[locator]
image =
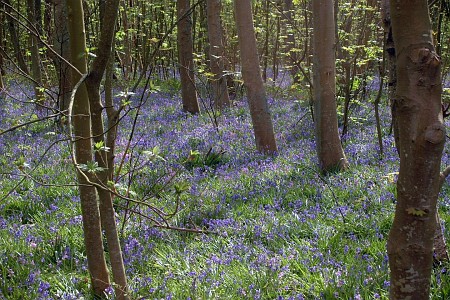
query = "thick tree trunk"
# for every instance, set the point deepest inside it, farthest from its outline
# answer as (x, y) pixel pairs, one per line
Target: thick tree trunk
(83, 153)
(329, 149)
(186, 58)
(251, 74)
(216, 54)
(421, 137)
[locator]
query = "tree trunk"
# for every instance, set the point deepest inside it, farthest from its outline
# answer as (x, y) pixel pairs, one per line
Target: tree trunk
(251, 74)
(216, 54)
(106, 204)
(15, 39)
(421, 137)
(186, 58)
(34, 50)
(289, 41)
(329, 149)
(61, 44)
(83, 153)
(391, 63)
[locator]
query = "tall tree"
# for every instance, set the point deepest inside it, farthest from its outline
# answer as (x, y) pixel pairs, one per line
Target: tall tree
(421, 137)
(289, 41)
(83, 152)
(61, 45)
(216, 53)
(109, 11)
(186, 57)
(329, 149)
(34, 49)
(251, 74)
(14, 37)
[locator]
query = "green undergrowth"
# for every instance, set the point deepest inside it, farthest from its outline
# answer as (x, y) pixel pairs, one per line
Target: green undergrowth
(275, 228)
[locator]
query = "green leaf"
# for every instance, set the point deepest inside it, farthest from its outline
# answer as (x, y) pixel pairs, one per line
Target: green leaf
(153, 154)
(91, 167)
(100, 146)
(181, 187)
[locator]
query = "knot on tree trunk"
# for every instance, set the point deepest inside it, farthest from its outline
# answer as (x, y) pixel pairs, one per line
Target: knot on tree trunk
(435, 133)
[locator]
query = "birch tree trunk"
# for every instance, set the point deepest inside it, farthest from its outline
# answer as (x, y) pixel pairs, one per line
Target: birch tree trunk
(251, 74)
(421, 137)
(329, 149)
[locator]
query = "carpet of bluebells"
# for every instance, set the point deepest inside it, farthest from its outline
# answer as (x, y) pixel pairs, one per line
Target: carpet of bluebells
(274, 228)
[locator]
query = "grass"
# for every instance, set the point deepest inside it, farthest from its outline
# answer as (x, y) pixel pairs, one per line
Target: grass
(281, 231)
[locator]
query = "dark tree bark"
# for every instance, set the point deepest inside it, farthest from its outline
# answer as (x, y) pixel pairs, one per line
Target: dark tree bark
(186, 58)
(329, 149)
(251, 74)
(421, 137)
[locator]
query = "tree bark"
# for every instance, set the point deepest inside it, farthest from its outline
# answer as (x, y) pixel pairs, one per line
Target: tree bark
(15, 39)
(421, 137)
(61, 44)
(329, 149)
(34, 50)
(216, 54)
(186, 58)
(251, 74)
(289, 40)
(83, 152)
(111, 8)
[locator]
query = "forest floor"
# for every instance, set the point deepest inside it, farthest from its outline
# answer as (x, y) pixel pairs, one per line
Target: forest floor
(274, 228)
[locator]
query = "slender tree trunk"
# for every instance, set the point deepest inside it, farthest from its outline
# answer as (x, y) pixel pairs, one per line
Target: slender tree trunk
(292, 59)
(15, 39)
(391, 63)
(34, 50)
(251, 74)
(111, 8)
(216, 54)
(329, 149)
(61, 44)
(126, 42)
(421, 137)
(83, 153)
(186, 58)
